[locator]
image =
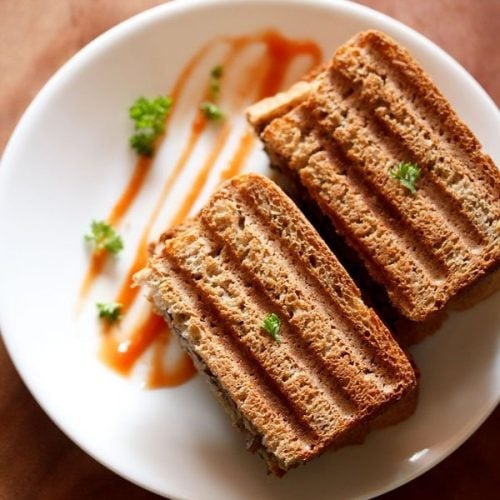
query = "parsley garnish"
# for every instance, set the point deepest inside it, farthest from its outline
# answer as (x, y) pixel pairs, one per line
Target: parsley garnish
(271, 325)
(215, 78)
(103, 237)
(211, 111)
(149, 122)
(110, 311)
(407, 174)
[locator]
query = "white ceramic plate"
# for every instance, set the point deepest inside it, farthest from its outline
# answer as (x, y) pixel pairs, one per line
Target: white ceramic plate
(68, 160)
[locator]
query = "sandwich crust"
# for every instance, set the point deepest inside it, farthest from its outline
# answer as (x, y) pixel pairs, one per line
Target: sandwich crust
(336, 372)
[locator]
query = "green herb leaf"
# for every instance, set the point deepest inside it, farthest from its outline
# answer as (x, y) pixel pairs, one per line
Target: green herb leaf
(215, 77)
(217, 72)
(149, 122)
(103, 237)
(110, 311)
(211, 111)
(271, 325)
(407, 174)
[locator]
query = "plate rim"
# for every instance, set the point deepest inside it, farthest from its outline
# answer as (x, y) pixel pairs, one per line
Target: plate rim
(113, 35)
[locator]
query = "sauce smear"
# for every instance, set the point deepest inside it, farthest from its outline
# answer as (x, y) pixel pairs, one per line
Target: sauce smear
(201, 178)
(280, 54)
(162, 374)
(122, 355)
(245, 146)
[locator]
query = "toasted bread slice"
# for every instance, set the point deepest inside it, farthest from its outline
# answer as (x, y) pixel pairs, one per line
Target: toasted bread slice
(370, 109)
(334, 372)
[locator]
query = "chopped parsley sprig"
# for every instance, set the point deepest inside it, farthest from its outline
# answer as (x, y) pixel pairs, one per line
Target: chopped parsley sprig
(407, 174)
(102, 236)
(149, 122)
(110, 311)
(271, 325)
(209, 109)
(215, 78)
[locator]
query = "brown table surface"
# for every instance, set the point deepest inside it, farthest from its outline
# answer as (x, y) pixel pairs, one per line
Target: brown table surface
(37, 461)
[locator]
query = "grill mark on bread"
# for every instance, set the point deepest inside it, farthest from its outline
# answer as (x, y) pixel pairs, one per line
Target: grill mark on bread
(367, 228)
(402, 117)
(351, 205)
(253, 392)
(378, 193)
(459, 182)
(368, 147)
(432, 106)
(343, 353)
(242, 311)
(424, 215)
(237, 346)
(348, 309)
(340, 386)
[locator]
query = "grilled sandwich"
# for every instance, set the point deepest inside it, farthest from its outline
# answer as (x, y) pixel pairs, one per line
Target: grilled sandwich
(277, 326)
(340, 137)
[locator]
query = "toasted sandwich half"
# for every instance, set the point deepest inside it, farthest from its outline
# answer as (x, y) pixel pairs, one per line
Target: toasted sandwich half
(347, 136)
(277, 326)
